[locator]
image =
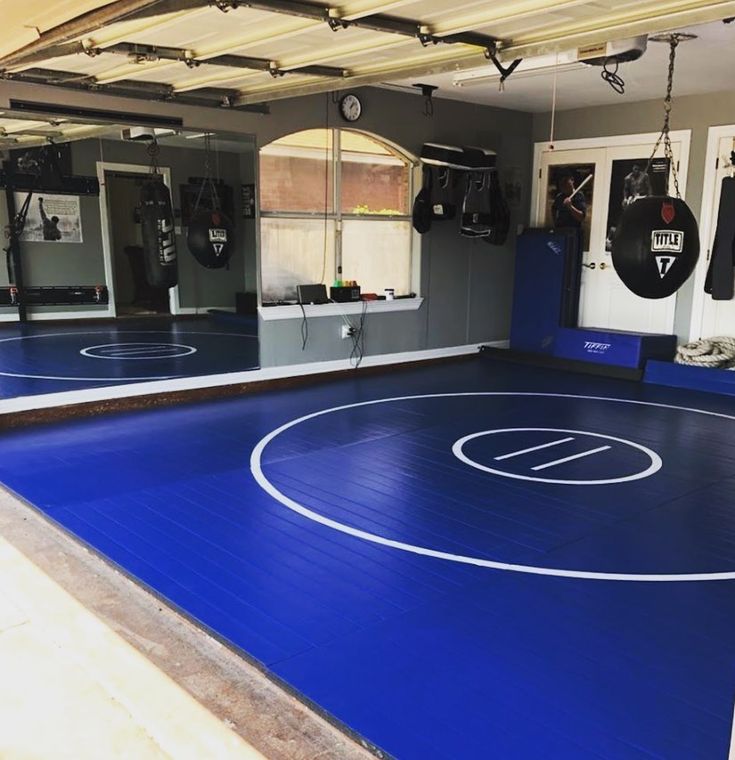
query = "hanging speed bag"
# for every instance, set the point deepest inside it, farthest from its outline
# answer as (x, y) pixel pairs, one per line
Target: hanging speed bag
(656, 246)
(210, 238)
(157, 230)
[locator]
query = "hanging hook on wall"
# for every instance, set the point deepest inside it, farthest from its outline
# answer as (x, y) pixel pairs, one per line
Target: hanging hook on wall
(427, 90)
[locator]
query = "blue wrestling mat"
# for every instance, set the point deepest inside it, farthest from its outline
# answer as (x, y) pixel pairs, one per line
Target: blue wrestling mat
(474, 560)
(39, 359)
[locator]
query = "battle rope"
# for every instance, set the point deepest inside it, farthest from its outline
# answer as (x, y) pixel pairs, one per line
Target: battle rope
(708, 352)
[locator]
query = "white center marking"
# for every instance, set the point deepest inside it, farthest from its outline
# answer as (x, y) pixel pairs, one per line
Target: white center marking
(256, 469)
(533, 448)
(132, 351)
(571, 458)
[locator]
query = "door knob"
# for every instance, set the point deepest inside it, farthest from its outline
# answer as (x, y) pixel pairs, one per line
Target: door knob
(590, 266)
(603, 265)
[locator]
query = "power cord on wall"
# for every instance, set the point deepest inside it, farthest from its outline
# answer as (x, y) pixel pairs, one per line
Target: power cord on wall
(304, 327)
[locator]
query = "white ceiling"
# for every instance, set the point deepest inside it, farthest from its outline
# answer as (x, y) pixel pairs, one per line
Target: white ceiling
(705, 64)
(365, 56)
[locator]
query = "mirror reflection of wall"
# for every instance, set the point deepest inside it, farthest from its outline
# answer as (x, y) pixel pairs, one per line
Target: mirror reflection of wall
(93, 317)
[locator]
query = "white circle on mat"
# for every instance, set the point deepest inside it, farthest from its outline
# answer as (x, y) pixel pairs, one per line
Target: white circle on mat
(137, 351)
(654, 458)
(259, 476)
(28, 376)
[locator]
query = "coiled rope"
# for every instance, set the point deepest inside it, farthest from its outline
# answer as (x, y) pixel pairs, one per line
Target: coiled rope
(709, 352)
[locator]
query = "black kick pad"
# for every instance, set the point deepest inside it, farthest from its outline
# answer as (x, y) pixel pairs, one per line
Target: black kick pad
(656, 246)
(720, 280)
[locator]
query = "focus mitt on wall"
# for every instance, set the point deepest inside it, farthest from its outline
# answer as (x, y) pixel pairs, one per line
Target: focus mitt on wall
(210, 238)
(656, 246)
(157, 231)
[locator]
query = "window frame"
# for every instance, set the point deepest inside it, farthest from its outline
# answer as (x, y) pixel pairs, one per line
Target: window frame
(337, 216)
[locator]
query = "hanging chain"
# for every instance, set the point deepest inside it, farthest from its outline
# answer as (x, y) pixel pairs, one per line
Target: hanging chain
(207, 179)
(153, 150)
(665, 131)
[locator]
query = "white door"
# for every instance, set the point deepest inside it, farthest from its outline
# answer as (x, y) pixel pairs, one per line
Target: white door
(604, 301)
(718, 317)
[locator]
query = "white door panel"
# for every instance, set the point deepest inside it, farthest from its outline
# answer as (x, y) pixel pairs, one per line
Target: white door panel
(605, 302)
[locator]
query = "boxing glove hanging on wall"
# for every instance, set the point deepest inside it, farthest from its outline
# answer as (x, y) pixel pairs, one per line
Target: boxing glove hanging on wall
(157, 230)
(656, 246)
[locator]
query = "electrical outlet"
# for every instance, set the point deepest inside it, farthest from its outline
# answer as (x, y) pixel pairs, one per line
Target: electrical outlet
(346, 331)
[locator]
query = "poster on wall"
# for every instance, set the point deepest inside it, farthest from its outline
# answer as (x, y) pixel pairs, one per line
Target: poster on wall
(51, 218)
(630, 180)
(556, 188)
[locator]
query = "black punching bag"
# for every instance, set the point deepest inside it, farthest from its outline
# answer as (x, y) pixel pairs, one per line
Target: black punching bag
(656, 246)
(210, 238)
(157, 229)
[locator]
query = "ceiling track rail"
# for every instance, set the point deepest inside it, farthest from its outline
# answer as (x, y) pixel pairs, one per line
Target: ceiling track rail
(208, 97)
(142, 54)
(298, 8)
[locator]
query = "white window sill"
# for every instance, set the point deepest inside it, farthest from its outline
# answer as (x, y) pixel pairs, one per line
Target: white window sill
(271, 313)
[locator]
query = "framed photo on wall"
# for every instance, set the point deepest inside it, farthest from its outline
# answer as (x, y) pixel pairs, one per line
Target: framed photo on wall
(629, 180)
(51, 218)
(579, 173)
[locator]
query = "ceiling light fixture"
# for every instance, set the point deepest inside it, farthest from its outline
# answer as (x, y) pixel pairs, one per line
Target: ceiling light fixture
(530, 67)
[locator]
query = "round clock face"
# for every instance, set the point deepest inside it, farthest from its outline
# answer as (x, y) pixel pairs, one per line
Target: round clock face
(350, 107)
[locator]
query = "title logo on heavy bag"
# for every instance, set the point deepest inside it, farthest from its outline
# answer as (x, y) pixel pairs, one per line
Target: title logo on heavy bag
(664, 243)
(167, 244)
(218, 239)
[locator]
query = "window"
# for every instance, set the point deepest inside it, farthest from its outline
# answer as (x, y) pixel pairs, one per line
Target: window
(335, 205)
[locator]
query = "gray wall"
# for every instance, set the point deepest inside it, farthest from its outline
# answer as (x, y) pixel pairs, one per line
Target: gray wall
(695, 112)
(467, 284)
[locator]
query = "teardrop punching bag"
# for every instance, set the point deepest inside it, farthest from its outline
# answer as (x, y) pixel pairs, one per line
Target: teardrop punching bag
(656, 246)
(157, 230)
(656, 243)
(209, 238)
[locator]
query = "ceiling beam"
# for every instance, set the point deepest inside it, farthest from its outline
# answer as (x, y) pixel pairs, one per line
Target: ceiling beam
(80, 26)
(132, 88)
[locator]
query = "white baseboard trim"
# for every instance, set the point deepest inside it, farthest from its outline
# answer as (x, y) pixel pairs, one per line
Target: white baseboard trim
(86, 395)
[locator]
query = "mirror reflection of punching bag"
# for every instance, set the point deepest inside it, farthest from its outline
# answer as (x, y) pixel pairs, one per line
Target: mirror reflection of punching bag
(157, 230)
(656, 246)
(211, 232)
(209, 238)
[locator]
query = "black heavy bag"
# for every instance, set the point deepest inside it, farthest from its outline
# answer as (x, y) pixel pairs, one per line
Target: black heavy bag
(210, 238)
(422, 214)
(720, 281)
(157, 230)
(656, 246)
